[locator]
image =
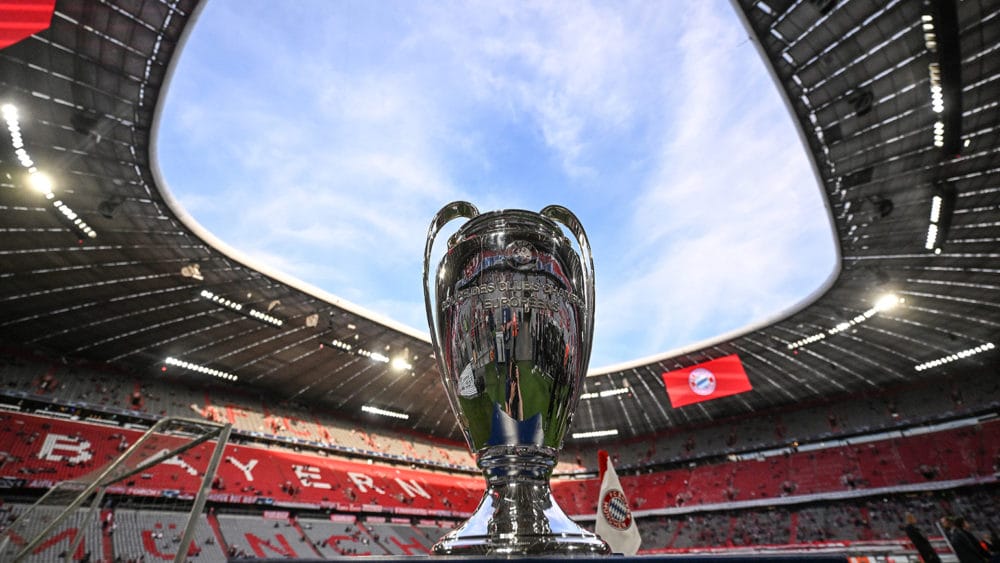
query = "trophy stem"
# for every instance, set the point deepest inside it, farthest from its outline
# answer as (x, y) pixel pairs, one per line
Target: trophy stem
(518, 515)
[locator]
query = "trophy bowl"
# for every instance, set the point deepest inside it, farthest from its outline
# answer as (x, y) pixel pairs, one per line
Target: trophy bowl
(512, 324)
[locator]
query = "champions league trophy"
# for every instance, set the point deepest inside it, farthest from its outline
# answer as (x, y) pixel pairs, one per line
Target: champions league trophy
(512, 334)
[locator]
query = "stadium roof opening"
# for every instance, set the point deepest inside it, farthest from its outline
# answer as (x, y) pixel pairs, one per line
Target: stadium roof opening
(326, 150)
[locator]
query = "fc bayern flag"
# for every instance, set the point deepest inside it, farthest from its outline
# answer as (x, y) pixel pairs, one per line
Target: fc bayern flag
(706, 381)
(23, 18)
(615, 523)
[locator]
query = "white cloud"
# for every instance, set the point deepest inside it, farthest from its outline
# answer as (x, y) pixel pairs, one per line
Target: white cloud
(573, 68)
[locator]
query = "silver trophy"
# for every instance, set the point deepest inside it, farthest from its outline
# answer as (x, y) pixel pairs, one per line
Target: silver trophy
(512, 325)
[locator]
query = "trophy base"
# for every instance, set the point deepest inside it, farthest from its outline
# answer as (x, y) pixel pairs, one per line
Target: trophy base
(518, 515)
(479, 535)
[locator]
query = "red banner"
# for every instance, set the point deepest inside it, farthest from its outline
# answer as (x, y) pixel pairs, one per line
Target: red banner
(706, 381)
(23, 18)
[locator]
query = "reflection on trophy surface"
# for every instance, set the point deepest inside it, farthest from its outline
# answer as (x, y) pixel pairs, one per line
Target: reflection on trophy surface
(512, 326)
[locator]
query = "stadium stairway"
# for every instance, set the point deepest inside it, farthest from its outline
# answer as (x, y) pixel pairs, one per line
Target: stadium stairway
(304, 538)
(107, 529)
(213, 523)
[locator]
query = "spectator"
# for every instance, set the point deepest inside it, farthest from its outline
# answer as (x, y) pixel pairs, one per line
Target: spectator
(967, 547)
(919, 540)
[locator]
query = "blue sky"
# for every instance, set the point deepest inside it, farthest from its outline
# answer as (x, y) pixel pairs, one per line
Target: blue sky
(321, 138)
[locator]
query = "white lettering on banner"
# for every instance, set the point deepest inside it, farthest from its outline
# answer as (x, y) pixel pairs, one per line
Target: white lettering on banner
(309, 477)
(246, 469)
(412, 488)
(364, 482)
(54, 443)
(174, 460)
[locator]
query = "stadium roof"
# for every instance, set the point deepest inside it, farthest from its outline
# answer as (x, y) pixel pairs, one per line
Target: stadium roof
(896, 102)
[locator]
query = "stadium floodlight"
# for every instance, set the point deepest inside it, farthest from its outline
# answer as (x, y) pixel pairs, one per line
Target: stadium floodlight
(596, 433)
(171, 361)
(14, 128)
(943, 197)
(40, 182)
(932, 236)
(375, 356)
(230, 304)
(606, 393)
(936, 208)
(339, 344)
(888, 301)
(942, 38)
(956, 356)
(399, 363)
(265, 317)
(808, 340)
(884, 303)
(384, 412)
(37, 180)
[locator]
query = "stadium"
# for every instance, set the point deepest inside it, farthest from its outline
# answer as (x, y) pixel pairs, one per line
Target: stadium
(164, 399)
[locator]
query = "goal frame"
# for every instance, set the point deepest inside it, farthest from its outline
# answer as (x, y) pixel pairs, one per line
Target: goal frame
(108, 476)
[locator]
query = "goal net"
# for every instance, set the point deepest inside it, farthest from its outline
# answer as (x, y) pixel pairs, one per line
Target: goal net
(171, 464)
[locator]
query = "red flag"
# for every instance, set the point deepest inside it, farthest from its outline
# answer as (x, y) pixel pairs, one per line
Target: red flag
(23, 18)
(706, 381)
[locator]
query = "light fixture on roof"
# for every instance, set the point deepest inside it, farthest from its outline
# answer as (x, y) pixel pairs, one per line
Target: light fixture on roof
(805, 341)
(941, 38)
(192, 271)
(85, 123)
(887, 302)
(596, 433)
(339, 344)
(221, 300)
(40, 182)
(399, 363)
(956, 356)
(12, 120)
(939, 134)
(606, 393)
(385, 412)
(943, 197)
(171, 361)
(72, 217)
(884, 303)
(375, 356)
(265, 317)
(109, 207)
(230, 304)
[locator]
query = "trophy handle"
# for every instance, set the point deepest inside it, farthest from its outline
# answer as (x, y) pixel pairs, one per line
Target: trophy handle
(562, 215)
(451, 211)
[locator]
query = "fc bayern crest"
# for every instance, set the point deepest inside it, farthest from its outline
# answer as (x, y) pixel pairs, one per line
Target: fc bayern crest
(520, 253)
(701, 381)
(614, 507)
